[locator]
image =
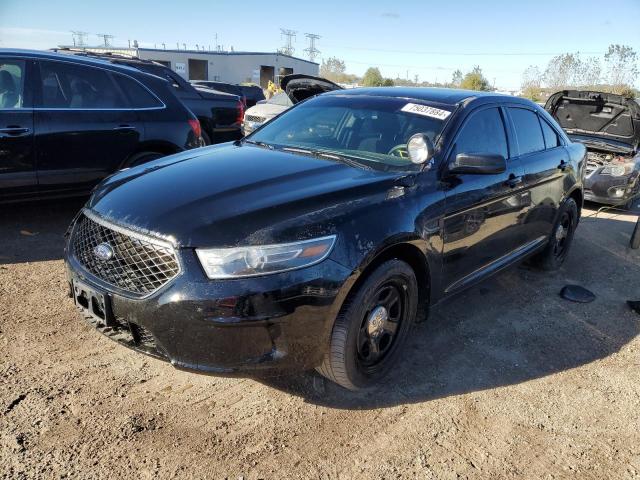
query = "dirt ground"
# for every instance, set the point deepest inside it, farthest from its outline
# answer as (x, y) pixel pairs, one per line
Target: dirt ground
(506, 381)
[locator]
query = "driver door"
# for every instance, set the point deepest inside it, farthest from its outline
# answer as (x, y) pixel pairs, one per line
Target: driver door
(483, 213)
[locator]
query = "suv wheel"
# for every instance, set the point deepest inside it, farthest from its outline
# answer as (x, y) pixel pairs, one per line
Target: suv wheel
(372, 327)
(142, 157)
(556, 251)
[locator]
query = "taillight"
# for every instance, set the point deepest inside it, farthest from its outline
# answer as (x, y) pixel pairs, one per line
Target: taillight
(240, 109)
(194, 123)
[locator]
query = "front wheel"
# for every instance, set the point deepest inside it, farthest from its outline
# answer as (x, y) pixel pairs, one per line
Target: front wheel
(372, 327)
(556, 251)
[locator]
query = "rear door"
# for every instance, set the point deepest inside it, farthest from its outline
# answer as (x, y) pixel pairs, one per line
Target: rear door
(85, 128)
(544, 160)
(17, 159)
(483, 222)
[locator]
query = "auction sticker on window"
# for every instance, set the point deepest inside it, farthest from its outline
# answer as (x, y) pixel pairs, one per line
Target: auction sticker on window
(426, 111)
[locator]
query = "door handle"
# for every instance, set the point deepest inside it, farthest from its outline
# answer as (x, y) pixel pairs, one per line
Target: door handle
(563, 165)
(513, 181)
(124, 128)
(14, 131)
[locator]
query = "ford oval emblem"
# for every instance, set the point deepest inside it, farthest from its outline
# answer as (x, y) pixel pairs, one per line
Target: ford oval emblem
(103, 251)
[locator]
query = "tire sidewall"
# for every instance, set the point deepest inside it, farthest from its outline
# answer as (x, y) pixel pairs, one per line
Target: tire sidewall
(394, 269)
(569, 205)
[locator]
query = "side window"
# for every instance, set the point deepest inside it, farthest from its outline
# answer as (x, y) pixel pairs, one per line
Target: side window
(483, 133)
(66, 85)
(527, 129)
(11, 83)
(550, 135)
(138, 96)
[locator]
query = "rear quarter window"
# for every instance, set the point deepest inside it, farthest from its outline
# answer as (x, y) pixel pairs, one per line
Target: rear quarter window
(550, 135)
(138, 95)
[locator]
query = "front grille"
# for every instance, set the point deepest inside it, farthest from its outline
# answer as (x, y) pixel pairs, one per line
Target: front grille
(138, 265)
(253, 118)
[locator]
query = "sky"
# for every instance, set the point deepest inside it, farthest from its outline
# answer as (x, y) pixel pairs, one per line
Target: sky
(403, 38)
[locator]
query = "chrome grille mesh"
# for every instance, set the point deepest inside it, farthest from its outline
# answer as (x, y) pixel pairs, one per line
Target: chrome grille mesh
(137, 266)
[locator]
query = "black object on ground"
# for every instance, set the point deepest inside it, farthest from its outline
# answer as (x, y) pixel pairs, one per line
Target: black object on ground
(576, 293)
(634, 305)
(635, 237)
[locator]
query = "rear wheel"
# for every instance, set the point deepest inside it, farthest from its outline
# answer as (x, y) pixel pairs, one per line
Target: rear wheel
(556, 251)
(372, 327)
(206, 138)
(142, 157)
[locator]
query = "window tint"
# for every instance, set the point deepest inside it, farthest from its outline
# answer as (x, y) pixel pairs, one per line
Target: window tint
(550, 135)
(528, 130)
(73, 86)
(139, 97)
(483, 133)
(11, 83)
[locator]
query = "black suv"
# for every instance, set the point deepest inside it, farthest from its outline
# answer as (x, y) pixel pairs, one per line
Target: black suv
(220, 114)
(67, 122)
(320, 238)
(250, 94)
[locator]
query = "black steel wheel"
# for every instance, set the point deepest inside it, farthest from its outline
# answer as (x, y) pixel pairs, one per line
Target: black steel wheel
(372, 327)
(557, 249)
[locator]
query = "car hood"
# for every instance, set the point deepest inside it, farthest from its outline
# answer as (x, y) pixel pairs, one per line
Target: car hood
(299, 87)
(266, 110)
(232, 194)
(597, 114)
(210, 93)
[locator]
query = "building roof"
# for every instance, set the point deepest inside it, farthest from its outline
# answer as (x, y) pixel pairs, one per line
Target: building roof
(225, 53)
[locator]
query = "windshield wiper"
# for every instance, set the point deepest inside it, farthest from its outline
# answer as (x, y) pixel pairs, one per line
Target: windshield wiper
(324, 154)
(260, 144)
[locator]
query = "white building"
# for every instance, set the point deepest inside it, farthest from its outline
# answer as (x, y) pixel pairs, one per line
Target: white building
(229, 67)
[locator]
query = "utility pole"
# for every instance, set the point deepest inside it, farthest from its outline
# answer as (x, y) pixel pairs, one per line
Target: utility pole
(79, 38)
(106, 38)
(288, 46)
(312, 51)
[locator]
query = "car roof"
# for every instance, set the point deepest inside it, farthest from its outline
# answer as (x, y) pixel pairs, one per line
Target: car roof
(450, 96)
(67, 57)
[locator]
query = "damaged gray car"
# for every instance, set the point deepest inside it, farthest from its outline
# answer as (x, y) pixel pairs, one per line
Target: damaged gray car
(609, 126)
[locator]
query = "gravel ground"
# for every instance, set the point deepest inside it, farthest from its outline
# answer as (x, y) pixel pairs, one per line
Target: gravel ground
(508, 380)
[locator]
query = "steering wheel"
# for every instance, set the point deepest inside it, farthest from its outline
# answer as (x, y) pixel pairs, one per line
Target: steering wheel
(399, 151)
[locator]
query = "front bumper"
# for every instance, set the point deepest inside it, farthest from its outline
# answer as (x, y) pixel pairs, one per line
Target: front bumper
(281, 321)
(611, 190)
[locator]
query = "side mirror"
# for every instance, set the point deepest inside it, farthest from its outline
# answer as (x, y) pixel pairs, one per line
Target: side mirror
(478, 164)
(420, 148)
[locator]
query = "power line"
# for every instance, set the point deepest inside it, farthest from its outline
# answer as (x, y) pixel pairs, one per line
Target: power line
(312, 51)
(288, 48)
(79, 38)
(106, 38)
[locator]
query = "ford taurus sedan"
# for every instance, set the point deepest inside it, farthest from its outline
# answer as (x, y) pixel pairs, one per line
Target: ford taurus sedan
(317, 241)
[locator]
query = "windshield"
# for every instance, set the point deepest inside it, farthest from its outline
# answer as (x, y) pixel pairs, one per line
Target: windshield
(371, 129)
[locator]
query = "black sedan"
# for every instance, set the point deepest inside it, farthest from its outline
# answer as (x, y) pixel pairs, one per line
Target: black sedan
(317, 241)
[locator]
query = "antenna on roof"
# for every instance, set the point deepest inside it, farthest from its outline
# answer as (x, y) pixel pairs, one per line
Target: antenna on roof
(312, 51)
(288, 48)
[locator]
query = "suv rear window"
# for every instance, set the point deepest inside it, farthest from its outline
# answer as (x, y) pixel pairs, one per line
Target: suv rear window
(65, 85)
(139, 96)
(527, 129)
(11, 84)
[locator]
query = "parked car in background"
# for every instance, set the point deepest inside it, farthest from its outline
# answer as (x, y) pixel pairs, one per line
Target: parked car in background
(609, 126)
(250, 94)
(316, 241)
(66, 122)
(220, 114)
(253, 94)
(295, 87)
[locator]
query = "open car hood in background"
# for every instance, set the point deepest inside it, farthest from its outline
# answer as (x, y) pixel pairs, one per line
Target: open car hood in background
(299, 87)
(597, 114)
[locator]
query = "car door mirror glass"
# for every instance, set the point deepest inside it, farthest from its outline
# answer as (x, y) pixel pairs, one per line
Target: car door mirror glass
(478, 164)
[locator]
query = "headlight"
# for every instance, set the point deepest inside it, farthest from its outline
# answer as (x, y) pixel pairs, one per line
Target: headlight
(219, 263)
(617, 170)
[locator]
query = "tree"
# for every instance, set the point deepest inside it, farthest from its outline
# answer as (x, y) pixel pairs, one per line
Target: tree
(372, 77)
(622, 67)
(589, 72)
(387, 82)
(532, 83)
(333, 69)
(474, 80)
(456, 79)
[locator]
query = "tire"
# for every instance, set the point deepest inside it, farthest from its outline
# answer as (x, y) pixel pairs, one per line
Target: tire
(142, 157)
(557, 249)
(364, 341)
(206, 138)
